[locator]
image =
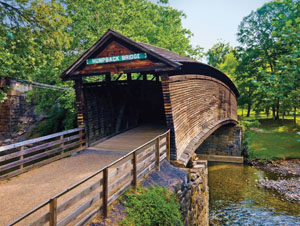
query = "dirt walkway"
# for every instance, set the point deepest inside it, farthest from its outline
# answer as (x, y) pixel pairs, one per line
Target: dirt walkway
(20, 194)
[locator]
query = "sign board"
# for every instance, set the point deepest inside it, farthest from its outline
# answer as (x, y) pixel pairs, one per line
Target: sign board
(112, 59)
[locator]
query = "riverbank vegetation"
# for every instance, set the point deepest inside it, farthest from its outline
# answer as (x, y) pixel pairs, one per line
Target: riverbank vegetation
(151, 206)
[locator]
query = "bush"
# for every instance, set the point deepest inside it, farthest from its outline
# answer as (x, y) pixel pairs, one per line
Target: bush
(59, 120)
(151, 207)
(249, 124)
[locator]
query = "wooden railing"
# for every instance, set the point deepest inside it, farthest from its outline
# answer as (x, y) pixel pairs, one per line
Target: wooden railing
(23, 156)
(80, 203)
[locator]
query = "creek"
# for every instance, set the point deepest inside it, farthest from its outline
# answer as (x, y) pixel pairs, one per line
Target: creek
(236, 198)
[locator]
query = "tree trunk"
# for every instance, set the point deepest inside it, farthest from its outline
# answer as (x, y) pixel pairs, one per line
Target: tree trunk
(273, 112)
(277, 113)
(295, 118)
(267, 112)
(249, 110)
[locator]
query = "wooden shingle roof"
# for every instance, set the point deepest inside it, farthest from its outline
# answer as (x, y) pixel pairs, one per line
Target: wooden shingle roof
(167, 53)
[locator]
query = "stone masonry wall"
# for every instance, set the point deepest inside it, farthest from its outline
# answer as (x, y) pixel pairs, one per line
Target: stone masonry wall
(194, 195)
(224, 141)
(14, 107)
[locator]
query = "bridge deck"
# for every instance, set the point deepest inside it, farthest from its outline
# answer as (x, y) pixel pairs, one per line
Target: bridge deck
(22, 193)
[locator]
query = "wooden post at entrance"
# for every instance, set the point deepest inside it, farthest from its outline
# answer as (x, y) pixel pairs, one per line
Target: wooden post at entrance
(79, 102)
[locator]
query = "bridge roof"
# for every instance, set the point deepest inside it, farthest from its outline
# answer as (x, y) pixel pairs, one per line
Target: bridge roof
(163, 61)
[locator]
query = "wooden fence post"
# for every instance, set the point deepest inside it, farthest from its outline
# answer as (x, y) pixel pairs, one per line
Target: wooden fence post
(62, 144)
(53, 212)
(157, 153)
(134, 170)
(21, 157)
(80, 138)
(169, 145)
(105, 192)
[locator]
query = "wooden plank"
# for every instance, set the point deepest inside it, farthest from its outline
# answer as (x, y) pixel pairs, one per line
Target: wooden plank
(146, 162)
(90, 216)
(119, 181)
(146, 156)
(79, 196)
(38, 164)
(72, 216)
(53, 212)
(36, 157)
(141, 156)
(62, 207)
(105, 191)
(21, 157)
(146, 170)
(37, 148)
(119, 192)
(27, 142)
(119, 171)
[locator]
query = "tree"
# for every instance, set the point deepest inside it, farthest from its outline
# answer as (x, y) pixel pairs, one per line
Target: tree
(217, 53)
(265, 32)
(41, 38)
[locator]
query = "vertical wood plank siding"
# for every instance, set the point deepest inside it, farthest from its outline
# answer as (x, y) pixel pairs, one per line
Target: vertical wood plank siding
(197, 102)
(168, 113)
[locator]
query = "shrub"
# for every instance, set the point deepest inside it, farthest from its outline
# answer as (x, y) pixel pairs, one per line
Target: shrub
(249, 124)
(151, 207)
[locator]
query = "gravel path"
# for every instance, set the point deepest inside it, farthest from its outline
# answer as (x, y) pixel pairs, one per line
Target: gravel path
(22, 193)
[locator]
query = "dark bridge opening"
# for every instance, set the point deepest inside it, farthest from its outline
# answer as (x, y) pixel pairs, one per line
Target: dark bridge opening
(225, 141)
(115, 106)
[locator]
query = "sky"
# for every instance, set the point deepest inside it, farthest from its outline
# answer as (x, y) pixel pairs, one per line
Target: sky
(214, 20)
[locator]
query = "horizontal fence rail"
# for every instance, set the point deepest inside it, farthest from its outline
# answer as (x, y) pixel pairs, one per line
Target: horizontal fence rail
(22, 156)
(80, 203)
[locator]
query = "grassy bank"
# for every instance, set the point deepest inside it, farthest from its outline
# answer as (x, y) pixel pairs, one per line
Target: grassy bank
(271, 139)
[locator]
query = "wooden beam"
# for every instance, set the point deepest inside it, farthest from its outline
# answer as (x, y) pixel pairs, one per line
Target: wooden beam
(138, 78)
(79, 102)
(119, 77)
(107, 78)
(145, 77)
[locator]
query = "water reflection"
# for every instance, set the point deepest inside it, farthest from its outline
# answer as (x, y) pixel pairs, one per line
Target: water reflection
(235, 198)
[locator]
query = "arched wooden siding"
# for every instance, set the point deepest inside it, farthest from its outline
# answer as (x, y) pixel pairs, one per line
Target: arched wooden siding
(197, 103)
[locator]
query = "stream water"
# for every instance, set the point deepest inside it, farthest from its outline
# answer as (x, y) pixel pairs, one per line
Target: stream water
(236, 199)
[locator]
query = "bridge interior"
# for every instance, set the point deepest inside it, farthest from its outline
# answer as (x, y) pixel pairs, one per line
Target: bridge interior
(116, 106)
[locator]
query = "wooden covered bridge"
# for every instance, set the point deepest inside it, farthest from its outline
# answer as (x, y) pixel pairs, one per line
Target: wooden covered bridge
(121, 84)
(137, 105)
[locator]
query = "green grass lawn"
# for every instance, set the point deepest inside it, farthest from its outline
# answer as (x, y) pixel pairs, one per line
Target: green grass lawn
(277, 140)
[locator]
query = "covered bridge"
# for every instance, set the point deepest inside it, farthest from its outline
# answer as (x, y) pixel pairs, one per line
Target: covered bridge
(121, 84)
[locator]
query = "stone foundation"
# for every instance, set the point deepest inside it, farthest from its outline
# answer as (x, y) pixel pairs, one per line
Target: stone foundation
(226, 141)
(14, 107)
(193, 195)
